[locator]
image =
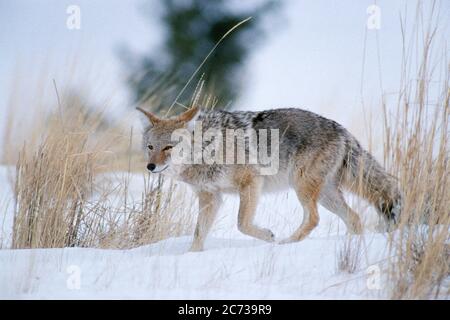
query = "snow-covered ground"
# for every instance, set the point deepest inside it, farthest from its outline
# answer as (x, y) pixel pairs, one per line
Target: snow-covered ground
(232, 265)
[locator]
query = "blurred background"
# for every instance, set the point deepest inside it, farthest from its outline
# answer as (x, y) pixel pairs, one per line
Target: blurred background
(337, 58)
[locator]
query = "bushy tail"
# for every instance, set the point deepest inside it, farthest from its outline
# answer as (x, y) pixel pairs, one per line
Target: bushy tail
(363, 175)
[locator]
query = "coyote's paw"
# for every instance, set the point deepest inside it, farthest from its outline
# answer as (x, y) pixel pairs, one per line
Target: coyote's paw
(292, 239)
(196, 248)
(268, 235)
(285, 241)
(258, 233)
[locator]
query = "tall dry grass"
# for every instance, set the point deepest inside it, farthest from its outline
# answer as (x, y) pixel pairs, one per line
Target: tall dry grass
(64, 196)
(416, 149)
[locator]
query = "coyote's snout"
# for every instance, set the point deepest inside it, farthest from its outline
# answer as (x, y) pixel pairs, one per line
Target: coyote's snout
(316, 157)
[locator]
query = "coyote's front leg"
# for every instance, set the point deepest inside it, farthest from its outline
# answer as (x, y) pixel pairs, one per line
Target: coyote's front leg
(208, 204)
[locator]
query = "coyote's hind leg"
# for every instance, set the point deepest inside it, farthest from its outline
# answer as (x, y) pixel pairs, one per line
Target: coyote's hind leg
(333, 200)
(307, 189)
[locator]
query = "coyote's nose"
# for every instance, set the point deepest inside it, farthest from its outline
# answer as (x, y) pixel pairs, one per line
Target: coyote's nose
(151, 166)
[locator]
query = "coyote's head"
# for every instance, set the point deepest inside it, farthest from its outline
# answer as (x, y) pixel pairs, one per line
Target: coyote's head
(157, 137)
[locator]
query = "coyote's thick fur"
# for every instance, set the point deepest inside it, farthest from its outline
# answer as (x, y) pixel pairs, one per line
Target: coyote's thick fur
(318, 158)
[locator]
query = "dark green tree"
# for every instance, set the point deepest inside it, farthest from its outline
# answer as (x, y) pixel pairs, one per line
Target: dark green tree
(192, 29)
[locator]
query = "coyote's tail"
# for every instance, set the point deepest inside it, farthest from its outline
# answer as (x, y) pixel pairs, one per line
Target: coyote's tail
(363, 175)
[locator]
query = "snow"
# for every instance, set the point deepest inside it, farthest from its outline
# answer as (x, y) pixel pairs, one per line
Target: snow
(233, 266)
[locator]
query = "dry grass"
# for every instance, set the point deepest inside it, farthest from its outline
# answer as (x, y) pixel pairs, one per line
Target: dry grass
(64, 197)
(163, 211)
(416, 150)
(349, 254)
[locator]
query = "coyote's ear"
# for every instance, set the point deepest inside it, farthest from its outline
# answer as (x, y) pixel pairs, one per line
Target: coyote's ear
(189, 115)
(153, 119)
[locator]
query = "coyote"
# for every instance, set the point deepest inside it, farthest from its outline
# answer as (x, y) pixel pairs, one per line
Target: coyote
(318, 158)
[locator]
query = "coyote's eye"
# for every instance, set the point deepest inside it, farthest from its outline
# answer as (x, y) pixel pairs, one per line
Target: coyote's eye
(150, 147)
(167, 148)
